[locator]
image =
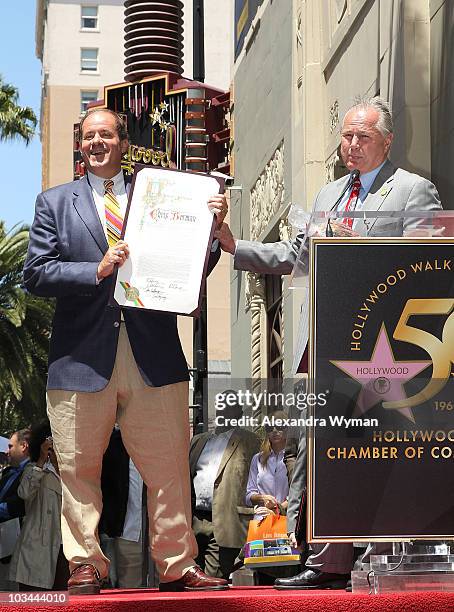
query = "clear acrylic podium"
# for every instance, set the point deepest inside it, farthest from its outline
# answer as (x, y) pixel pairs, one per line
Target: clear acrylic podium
(409, 564)
(410, 567)
(374, 223)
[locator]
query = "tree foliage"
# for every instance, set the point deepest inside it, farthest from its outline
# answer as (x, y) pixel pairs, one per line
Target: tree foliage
(25, 323)
(15, 121)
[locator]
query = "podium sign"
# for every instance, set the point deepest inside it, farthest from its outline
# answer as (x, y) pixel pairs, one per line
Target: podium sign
(381, 448)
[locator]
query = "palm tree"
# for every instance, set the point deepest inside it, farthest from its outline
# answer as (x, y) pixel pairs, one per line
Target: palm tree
(24, 320)
(24, 336)
(15, 121)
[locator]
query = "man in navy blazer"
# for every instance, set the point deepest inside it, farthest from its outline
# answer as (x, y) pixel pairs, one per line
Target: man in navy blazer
(11, 505)
(109, 365)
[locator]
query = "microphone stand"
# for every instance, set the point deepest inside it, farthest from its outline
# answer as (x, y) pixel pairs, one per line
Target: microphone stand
(353, 176)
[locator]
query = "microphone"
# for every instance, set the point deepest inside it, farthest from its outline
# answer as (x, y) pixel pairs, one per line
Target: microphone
(353, 177)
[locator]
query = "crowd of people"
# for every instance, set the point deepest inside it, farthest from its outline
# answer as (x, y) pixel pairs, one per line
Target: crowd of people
(236, 476)
(113, 367)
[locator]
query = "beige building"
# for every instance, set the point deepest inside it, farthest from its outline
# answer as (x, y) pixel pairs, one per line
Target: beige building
(80, 45)
(299, 66)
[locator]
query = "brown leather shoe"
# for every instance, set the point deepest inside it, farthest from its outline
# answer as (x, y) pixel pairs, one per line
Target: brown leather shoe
(195, 580)
(84, 580)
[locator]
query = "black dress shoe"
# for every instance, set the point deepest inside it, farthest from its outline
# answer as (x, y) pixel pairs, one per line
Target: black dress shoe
(313, 579)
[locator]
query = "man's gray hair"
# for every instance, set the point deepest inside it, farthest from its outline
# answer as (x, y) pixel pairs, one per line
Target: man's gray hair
(385, 121)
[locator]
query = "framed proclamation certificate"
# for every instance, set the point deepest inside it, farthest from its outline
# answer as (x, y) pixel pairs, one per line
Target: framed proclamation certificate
(169, 229)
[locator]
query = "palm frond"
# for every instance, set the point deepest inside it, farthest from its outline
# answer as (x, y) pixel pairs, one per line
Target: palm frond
(16, 122)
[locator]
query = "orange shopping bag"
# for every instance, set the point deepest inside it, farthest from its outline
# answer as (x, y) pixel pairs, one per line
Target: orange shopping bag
(268, 544)
(272, 526)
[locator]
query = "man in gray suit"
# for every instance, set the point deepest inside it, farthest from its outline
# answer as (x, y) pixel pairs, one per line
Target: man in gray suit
(108, 365)
(366, 138)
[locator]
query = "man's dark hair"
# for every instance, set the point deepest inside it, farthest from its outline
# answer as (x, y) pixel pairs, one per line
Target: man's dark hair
(38, 434)
(23, 435)
(120, 125)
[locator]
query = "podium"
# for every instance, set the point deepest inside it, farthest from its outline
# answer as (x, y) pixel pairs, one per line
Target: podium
(379, 324)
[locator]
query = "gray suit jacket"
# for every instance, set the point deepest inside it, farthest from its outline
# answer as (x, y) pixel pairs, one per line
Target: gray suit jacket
(298, 481)
(67, 242)
(393, 190)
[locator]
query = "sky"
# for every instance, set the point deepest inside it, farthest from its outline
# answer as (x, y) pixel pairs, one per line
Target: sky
(19, 66)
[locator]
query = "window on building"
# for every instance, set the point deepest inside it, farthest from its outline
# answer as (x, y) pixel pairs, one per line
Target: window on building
(89, 60)
(85, 98)
(89, 18)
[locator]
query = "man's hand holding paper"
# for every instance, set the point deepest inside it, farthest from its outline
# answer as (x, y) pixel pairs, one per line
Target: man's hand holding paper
(168, 229)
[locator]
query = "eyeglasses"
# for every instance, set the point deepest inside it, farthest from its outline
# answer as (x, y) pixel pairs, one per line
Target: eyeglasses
(270, 428)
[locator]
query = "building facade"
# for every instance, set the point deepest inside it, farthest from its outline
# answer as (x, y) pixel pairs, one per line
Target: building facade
(80, 45)
(299, 65)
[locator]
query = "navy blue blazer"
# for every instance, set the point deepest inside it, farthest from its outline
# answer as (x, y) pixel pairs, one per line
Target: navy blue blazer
(15, 505)
(67, 242)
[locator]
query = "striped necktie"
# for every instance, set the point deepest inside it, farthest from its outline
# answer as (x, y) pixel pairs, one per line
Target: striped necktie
(114, 218)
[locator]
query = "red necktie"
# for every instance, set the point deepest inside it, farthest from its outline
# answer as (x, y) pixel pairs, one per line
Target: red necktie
(351, 202)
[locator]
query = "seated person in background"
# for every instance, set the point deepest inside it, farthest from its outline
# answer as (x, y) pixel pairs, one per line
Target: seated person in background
(219, 465)
(38, 563)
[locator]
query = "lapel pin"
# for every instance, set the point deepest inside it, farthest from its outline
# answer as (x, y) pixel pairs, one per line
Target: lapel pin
(384, 191)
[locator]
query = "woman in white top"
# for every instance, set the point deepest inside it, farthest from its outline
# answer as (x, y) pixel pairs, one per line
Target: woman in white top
(267, 487)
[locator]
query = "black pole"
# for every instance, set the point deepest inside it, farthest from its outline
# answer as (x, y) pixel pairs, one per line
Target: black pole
(198, 41)
(200, 359)
(200, 343)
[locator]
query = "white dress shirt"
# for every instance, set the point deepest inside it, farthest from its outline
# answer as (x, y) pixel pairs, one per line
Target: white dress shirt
(207, 469)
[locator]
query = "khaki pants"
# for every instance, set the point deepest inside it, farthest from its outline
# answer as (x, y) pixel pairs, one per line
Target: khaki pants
(155, 430)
